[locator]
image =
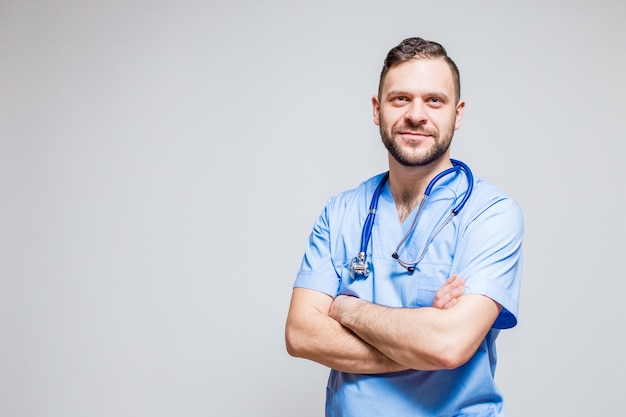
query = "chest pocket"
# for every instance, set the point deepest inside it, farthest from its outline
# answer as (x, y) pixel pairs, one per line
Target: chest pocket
(419, 288)
(392, 285)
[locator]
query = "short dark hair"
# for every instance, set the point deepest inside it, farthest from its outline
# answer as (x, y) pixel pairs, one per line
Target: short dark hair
(418, 48)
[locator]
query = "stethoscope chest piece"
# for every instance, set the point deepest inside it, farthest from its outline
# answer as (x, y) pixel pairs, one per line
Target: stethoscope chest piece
(359, 267)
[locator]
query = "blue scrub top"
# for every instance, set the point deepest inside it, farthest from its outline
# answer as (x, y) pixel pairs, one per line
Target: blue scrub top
(483, 243)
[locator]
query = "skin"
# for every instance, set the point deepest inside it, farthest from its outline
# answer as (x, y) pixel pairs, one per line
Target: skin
(417, 113)
(312, 332)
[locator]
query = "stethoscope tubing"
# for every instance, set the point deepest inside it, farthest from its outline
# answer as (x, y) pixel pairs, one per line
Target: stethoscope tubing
(359, 266)
(366, 233)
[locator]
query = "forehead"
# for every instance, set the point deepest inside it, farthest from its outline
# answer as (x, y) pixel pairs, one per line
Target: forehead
(419, 75)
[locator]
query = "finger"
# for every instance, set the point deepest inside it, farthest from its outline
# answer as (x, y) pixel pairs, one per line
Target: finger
(451, 279)
(444, 301)
(449, 283)
(448, 294)
(458, 285)
(451, 303)
(457, 289)
(443, 298)
(448, 286)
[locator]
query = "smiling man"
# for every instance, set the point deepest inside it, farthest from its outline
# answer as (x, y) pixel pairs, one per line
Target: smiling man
(408, 278)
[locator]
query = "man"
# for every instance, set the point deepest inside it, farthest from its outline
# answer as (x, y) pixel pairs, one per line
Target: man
(402, 334)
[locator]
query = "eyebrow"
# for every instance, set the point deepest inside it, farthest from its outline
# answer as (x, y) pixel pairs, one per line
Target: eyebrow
(433, 93)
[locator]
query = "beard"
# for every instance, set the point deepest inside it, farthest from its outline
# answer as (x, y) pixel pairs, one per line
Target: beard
(409, 156)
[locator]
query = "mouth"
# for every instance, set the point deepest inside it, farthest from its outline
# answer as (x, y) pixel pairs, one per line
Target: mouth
(413, 132)
(413, 135)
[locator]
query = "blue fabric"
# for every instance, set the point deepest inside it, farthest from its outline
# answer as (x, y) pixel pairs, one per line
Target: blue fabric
(482, 243)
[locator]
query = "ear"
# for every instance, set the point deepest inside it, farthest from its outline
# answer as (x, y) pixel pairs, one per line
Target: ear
(376, 110)
(460, 108)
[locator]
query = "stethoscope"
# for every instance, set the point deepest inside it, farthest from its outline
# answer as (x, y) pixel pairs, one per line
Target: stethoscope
(359, 265)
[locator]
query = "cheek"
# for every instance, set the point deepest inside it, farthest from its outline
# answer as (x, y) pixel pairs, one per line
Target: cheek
(387, 121)
(450, 123)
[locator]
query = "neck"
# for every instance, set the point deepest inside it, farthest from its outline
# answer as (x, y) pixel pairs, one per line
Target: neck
(407, 184)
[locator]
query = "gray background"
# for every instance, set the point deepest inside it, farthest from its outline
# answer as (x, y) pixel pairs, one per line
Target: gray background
(162, 163)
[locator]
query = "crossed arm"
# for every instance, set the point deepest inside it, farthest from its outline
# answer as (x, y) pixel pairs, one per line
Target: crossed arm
(352, 335)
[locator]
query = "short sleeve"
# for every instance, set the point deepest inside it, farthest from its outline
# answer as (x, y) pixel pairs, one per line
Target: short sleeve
(317, 270)
(489, 257)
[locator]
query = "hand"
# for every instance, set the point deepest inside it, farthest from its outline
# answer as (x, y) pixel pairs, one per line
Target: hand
(448, 294)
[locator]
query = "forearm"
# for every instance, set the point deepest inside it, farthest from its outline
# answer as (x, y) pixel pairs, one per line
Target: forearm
(310, 333)
(419, 338)
(388, 330)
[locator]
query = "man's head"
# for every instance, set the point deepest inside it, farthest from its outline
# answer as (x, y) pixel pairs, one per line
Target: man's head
(418, 48)
(418, 106)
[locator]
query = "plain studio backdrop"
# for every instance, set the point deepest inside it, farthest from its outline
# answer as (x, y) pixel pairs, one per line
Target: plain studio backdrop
(162, 164)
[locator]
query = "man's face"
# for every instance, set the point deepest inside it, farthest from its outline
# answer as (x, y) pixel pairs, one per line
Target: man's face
(417, 111)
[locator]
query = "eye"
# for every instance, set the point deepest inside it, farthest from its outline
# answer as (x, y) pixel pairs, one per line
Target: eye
(399, 100)
(435, 101)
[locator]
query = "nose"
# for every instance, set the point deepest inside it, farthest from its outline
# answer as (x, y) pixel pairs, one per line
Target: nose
(416, 113)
